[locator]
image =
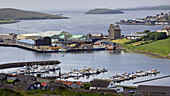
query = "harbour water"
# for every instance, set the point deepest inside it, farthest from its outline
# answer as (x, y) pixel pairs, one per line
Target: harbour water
(80, 23)
(115, 61)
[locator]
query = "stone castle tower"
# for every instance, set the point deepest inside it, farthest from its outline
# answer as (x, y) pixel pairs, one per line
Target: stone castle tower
(114, 32)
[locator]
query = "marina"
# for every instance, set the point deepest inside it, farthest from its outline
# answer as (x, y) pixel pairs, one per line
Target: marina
(78, 60)
(54, 71)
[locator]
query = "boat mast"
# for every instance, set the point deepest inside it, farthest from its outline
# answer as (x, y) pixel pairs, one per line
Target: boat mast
(1, 32)
(93, 61)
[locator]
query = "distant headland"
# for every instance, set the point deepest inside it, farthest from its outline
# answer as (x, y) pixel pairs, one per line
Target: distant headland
(104, 11)
(161, 7)
(11, 14)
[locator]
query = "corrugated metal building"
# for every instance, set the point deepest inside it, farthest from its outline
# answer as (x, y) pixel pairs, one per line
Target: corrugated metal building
(28, 36)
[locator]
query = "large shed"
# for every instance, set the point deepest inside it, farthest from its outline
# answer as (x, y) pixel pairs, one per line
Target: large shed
(29, 36)
(151, 90)
(56, 34)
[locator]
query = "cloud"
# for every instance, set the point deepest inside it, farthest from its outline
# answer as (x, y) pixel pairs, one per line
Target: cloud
(79, 4)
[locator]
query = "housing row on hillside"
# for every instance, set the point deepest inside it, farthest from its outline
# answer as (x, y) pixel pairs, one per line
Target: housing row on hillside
(135, 36)
(158, 19)
(29, 82)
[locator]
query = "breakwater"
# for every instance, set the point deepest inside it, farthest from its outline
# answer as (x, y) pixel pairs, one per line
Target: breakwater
(152, 79)
(21, 64)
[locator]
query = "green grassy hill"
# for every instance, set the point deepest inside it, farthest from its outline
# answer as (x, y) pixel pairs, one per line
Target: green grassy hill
(104, 11)
(16, 14)
(160, 47)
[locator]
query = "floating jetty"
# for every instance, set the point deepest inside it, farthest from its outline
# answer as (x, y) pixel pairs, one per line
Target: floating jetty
(21, 64)
(87, 71)
(128, 76)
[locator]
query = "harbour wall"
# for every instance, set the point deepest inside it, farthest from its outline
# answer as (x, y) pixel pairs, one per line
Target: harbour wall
(21, 64)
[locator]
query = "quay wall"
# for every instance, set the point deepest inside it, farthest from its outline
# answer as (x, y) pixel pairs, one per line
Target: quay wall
(23, 47)
(41, 51)
(21, 64)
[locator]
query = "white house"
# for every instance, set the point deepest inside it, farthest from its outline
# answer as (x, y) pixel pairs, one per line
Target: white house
(166, 30)
(134, 36)
(105, 84)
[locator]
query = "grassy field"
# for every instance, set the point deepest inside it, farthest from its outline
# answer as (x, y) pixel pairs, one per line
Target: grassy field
(121, 41)
(7, 21)
(7, 92)
(160, 47)
(58, 92)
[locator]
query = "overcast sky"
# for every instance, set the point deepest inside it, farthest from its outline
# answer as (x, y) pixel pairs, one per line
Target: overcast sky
(78, 4)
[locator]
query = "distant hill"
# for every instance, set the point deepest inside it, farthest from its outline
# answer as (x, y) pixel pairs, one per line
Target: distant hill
(104, 11)
(16, 14)
(163, 7)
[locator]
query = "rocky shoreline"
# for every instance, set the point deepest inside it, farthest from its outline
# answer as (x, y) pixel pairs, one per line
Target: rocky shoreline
(148, 53)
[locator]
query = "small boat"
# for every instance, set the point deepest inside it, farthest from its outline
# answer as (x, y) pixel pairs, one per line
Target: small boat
(63, 50)
(64, 76)
(75, 74)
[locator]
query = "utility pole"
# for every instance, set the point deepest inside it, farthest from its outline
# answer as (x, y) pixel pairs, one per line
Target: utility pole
(93, 61)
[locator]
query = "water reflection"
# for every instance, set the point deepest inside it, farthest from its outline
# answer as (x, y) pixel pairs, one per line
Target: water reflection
(118, 51)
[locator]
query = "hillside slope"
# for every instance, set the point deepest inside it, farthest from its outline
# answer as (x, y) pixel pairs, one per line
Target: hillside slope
(160, 47)
(16, 14)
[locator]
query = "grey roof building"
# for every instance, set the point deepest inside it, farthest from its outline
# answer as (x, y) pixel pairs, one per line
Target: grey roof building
(3, 76)
(25, 86)
(150, 90)
(55, 85)
(23, 78)
(26, 77)
(105, 85)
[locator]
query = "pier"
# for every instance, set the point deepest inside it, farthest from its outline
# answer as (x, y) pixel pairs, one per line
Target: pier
(152, 79)
(21, 64)
(22, 47)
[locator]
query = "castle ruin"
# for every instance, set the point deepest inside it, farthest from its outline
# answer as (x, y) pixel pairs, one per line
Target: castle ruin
(114, 32)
